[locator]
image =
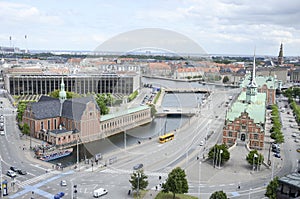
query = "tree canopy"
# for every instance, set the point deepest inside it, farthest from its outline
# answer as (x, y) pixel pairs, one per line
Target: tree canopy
(218, 195)
(176, 182)
(70, 95)
(218, 151)
(103, 101)
(276, 132)
(272, 188)
(138, 180)
(255, 158)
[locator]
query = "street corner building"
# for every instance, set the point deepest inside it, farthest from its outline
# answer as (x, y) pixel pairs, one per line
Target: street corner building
(245, 119)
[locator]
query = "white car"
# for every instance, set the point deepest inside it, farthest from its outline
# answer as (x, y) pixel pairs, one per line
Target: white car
(63, 183)
(294, 135)
(100, 192)
(201, 143)
(2, 133)
(11, 173)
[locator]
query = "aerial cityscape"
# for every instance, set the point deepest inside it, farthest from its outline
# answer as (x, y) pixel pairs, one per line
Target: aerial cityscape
(153, 100)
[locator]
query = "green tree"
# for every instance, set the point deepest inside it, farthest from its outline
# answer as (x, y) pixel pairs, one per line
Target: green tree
(21, 108)
(25, 129)
(103, 100)
(218, 195)
(255, 158)
(225, 79)
(138, 180)
(217, 151)
(70, 95)
(176, 182)
(272, 188)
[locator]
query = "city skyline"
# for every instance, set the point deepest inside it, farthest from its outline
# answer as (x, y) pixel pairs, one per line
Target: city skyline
(218, 26)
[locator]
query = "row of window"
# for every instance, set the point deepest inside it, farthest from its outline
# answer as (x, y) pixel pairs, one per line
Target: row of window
(118, 122)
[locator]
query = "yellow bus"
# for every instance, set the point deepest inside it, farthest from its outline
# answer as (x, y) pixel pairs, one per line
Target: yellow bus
(165, 138)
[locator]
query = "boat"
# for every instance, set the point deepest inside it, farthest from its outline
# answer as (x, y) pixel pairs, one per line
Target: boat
(56, 155)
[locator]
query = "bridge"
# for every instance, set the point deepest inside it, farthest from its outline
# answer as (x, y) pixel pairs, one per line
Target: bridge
(162, 112)
(186, 90)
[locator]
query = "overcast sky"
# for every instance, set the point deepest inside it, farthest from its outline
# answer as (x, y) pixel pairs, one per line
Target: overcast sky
(218, 26)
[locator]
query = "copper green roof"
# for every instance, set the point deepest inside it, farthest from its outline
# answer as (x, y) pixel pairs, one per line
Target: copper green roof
(256, 109)
(121, 113)
(270, 82)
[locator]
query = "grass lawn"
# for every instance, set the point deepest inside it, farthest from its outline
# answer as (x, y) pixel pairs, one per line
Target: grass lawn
(142, 193)
(162, 195)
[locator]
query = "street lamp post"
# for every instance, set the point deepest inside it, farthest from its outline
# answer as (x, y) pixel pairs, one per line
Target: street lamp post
(221, 151)
(137, 168)
(254, 156)
(77, 148)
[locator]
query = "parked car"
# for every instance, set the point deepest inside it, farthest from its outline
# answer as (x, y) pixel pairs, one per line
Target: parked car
(276, 150)
(277, 155)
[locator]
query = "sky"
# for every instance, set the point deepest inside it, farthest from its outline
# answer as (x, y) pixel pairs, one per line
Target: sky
(219, 26)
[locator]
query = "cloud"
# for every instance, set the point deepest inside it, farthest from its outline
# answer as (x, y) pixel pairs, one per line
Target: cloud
(12, 14)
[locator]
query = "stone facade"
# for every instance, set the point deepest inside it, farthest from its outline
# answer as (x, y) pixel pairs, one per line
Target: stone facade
(244, 129)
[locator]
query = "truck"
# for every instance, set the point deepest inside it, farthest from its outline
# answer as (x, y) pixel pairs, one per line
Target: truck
(100, 192)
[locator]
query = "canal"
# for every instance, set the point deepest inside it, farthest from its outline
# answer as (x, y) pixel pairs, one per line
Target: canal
(157, 127)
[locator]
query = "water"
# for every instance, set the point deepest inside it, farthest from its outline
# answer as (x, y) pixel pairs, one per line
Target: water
(157, 127)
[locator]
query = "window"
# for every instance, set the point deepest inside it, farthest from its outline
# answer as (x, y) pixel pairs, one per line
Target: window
(256, 136)
(230, 133)
(243, 127)
(55, 124)
(48, 124)
(42, 125)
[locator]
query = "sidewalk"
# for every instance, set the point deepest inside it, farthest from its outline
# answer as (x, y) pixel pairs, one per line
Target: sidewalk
(151, 194)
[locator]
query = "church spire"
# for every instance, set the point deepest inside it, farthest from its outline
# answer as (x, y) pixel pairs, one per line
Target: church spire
(252, 87)
(280, 56)
(252, 82)
(62, 92)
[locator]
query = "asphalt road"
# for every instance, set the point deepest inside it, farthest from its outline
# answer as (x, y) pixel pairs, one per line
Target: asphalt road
(158, 160)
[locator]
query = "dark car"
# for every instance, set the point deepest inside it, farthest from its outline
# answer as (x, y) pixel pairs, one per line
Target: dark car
(277, 155)
(138, 166)
(59, 195)
(276, 150)
(13, 168)
(22, 172)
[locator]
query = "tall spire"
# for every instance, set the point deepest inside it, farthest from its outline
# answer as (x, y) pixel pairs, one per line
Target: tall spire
(252, 87)
(252, 83)
(62, 92)
(280, 56)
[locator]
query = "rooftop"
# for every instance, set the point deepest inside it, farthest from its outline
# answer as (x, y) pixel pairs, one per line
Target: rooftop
(291, 179)
(269, 81)
(256, 109)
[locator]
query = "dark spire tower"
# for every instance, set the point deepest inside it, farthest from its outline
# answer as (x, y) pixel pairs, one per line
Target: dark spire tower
(280, 56)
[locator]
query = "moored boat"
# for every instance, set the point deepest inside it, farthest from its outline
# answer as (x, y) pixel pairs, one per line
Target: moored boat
(56, 155)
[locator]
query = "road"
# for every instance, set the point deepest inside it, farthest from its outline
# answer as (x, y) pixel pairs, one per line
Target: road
(158, 160)
(12, 150)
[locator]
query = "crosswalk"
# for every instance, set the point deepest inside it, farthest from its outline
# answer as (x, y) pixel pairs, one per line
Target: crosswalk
(37, 179)
(124, 171)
